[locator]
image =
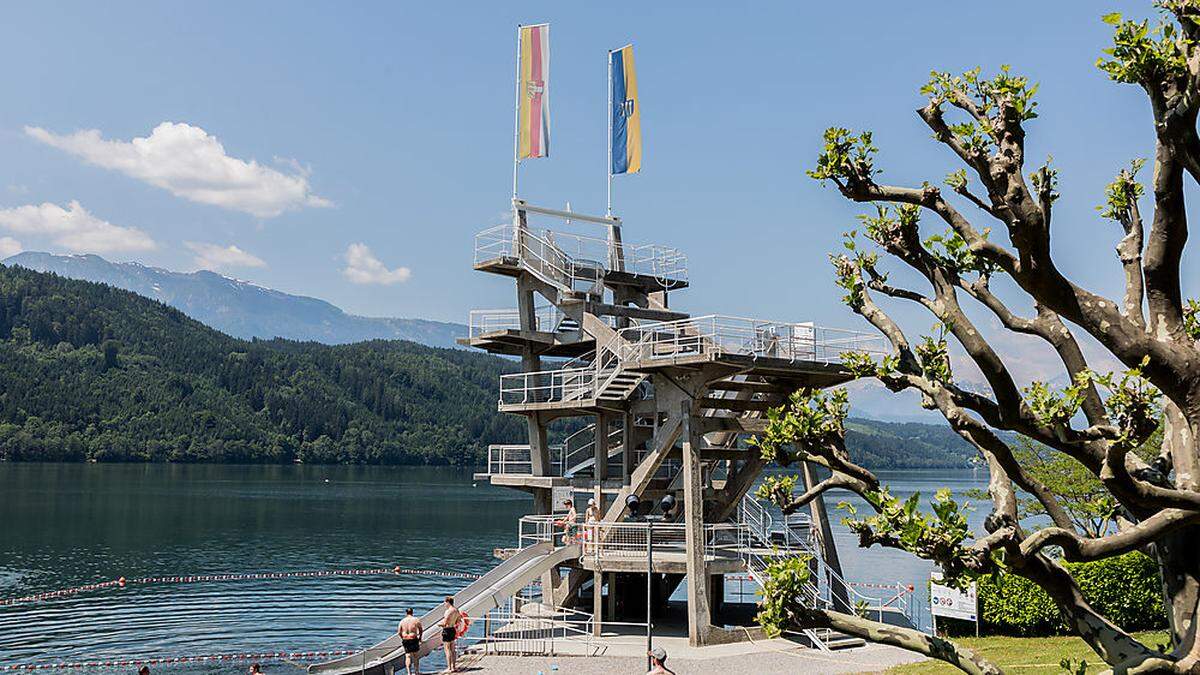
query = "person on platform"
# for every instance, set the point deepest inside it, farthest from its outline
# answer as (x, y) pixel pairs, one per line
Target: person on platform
(255, 669)
(567, 522)
(450, 633)
(658, 662)
(591, 519)
(144, 670)
(410, 631)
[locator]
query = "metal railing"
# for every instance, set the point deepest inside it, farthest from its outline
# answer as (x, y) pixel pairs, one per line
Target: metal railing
(827, 588)
(518, 460)
(523, 627)
(548, 386)
(547, 318)
(604, 541)
(580, 447)
(668, 469)
(716, 335)
(563, 259)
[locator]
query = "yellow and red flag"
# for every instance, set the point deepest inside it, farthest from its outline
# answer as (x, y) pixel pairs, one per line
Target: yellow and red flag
(533, 92)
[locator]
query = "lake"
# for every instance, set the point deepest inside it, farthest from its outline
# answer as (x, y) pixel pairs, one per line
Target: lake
(64, 525)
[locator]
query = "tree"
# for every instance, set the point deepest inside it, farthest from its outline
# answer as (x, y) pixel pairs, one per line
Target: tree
(1089, 504)
(1097, 421)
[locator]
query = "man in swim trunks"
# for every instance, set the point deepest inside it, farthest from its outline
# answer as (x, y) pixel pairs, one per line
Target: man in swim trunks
(449, 626)
(410, 631)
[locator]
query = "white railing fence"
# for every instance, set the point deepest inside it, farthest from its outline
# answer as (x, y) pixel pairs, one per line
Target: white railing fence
(547, 318)
(580, 447)
(716, 335)
(518, 460)
(563, 258)
(548, 386)
(828, 588)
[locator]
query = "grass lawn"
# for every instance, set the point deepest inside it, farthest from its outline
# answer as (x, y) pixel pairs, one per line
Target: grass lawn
(1027, 655)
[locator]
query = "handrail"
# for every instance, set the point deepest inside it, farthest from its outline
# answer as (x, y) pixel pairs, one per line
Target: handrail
(548, 386)
(562, 258)
(760, 524)
(580, 446)
(546, 318)
(514, 459)
(716, 335)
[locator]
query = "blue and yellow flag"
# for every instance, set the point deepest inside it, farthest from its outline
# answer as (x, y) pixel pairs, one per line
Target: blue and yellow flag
(626, 113)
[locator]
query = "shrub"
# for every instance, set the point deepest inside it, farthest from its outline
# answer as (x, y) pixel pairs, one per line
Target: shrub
(1127, 589)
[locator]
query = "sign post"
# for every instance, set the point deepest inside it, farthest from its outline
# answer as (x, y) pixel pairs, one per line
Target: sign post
(953, 603)
(560, 494)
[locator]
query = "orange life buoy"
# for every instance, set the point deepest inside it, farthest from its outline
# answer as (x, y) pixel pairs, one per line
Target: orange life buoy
(464, 624)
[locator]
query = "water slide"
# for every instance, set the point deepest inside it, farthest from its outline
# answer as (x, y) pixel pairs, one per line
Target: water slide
(477, 599)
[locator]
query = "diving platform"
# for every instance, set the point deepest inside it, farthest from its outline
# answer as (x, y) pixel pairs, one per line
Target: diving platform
(670, 398)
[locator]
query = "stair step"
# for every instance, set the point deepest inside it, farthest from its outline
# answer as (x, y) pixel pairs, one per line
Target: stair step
(838, 641)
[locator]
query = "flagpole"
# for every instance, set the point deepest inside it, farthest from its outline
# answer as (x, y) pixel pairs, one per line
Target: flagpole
(608, 141)
(517, 119)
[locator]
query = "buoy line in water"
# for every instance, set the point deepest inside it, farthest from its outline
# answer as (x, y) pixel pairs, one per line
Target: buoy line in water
(179, 660)
(122, 582)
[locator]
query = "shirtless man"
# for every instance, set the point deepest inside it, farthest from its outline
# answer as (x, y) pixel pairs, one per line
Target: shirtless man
(658, 662)
(449, 626)
(410, 631)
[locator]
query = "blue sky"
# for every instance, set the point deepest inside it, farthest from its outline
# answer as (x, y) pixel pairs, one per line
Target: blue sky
(391, 126)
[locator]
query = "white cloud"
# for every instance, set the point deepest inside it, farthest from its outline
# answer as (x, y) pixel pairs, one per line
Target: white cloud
(188, 162)
(74, 228)
(216, 257)
(362, 267)
(9, 247)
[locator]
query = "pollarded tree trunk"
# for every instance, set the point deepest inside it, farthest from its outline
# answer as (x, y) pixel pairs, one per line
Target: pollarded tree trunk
(1151, 330)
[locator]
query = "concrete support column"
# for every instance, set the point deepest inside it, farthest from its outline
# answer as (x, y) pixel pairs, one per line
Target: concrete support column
(611, 612)
(600, 448)
(525, 307)
(699, 614)
(539, 450)
(627, 441)
(824, 534)
(541, 501)
(597, 602)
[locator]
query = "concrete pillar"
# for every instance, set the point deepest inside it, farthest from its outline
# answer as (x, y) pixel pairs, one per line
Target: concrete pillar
(699, 614)
(825, 543)
(525, 307)
(539, 450)
(627, 441)
(541, 501)
(597, 602)
(611, 612)
(600, 448)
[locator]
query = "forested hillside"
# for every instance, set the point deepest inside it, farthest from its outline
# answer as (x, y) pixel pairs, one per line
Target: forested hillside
(906, 445)
(90, 371)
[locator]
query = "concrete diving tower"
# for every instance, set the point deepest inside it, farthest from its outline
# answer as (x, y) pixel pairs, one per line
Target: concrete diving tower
(668, 396)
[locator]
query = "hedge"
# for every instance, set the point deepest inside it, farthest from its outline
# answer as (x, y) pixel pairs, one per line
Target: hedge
(1126, 589)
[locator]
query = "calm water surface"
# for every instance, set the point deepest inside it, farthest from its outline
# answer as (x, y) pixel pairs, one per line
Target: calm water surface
(63, 525)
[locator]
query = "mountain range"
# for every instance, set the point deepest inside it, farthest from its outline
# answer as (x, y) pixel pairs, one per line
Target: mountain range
(246, 310)
(93, 372)
(240, 308)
